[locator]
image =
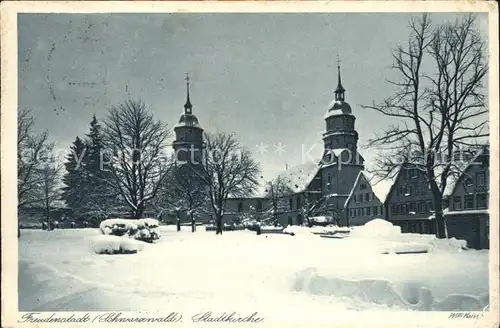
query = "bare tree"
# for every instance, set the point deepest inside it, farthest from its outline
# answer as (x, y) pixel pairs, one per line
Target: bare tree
(310, 206)
(30, 148)
(49, 186)
(138, 167)
(228, 169)
(334, 211)
(437, 112)
(189, 191)
(276, 191)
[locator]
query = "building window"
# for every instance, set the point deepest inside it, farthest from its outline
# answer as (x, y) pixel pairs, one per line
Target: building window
(394, 209)
(362, 186)
(429, 206)
(446, 203)
(367, 197)
(468, 181)
(457, 203)
(413, 207)
(259, 206)
(423, 190)
(409, 190)
(240, 207)
(329, 183)
(298, 201)
(290, 202)
(370, 197)
(421, 207)
(382, 210)
(468, 202)
(482, 201)
(375, 210)
(404, 209)
(413, 173)
(480, 180)
(359, 212)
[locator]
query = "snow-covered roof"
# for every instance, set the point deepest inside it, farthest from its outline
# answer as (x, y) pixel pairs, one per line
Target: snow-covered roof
(383, 187)
(188, 120)
(298, 177)
(379, 188)
(453, 179)
(338, 107)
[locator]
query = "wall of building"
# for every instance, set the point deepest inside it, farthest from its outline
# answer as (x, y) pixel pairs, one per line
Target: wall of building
(472, 227)
(410, 200)
(468, 217)
(340, 177)
(364, 205)
(472, 191)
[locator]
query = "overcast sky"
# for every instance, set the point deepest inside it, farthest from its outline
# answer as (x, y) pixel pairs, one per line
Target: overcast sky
(266, 77)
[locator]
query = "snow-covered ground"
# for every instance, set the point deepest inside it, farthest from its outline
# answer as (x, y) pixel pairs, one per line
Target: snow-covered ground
(58, 270)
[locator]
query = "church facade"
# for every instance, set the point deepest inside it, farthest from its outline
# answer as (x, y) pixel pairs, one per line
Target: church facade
(318, 188)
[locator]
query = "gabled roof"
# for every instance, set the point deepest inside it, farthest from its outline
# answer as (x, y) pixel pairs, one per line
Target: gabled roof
(386, 186)
(299, 177)
(380, 188)
(453, 180)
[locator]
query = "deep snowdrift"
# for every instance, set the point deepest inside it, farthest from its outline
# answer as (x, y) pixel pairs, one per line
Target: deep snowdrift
(311, 275)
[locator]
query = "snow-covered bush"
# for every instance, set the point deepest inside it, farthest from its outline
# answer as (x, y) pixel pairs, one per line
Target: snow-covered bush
(142, 229)
(107, 244)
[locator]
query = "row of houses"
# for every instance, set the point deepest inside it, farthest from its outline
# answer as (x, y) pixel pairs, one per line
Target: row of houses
(405, 200)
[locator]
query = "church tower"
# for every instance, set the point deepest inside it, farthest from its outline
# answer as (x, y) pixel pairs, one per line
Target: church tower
(341, 160)
(188, 144)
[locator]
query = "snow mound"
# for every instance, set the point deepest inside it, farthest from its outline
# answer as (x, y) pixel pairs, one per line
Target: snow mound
(448, 245)
(141, 229)
(408, 296)
(405, 248)
(377, 229)
(106, 244)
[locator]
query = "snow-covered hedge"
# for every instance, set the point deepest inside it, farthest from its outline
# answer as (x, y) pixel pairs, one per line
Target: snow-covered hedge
(141, 229)
(106, 244)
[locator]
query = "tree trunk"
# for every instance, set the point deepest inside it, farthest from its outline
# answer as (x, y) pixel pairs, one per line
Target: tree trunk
(438, 214)
(47, 213)
(218, 225)
(193, 223)
(178, 222)
(139, 211)
(440, 225)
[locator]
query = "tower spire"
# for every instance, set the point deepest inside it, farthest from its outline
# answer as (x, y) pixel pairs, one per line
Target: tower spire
(340, 91)
(187, 105)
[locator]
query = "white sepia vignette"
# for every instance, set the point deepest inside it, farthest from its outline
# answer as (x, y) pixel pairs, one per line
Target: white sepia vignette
(10, 313)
